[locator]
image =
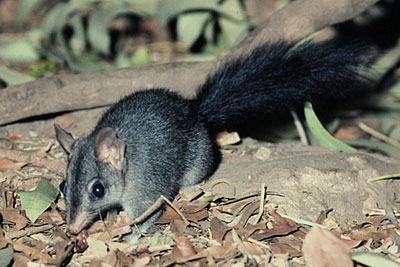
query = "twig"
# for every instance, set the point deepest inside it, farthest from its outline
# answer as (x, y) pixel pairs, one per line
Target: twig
(378, 135)
(175, 209)
(259, 243)
(300, 128)
(29, 231)
(293, 22)
(144, 215)
(221, 181)
(262, 201)
(150, 210)
(104, 224)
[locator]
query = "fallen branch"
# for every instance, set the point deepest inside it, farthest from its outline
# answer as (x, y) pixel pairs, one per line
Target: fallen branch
(72, 92)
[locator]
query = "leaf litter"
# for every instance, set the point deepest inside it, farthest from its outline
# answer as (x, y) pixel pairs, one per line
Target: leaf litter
(202, 228)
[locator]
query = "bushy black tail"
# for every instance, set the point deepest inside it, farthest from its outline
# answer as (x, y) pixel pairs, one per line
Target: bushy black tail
(275, 78)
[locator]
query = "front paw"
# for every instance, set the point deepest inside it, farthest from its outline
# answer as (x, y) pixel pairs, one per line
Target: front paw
(132, 238)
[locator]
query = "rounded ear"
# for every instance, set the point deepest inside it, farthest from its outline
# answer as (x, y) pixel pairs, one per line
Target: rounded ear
(109, 149)
(64, 138)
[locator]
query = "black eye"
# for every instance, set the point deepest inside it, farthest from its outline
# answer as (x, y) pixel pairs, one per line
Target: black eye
(97, 190)
(63, 187)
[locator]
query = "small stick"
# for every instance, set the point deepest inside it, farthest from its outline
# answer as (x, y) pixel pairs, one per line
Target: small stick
(259, 243)
(262, 199)
(29, 231)
(300, 128)
(175, 209)
(151, 209)
(221, 181)
(378, 135)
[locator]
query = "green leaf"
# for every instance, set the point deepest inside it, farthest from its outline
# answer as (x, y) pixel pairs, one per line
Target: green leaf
(6, 255)
(389, 176)
(168, 9)
(387, 149)
(55, 22)
(233, 8)
(232, 21)
(98, 22)
(232, 31)
(37, 201)
(373, 259)
(122, 60)
(320, 133)
(11, 77)
(26, 7)
(190, 26)
(141, 56)
(22, 50)
(384, 64)
(41, 68)
(78, 39)
(143, 7)
(49, 22)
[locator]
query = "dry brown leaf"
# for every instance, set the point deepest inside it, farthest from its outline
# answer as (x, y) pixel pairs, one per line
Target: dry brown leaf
(218, 229)
(110, 258)
(6, 164)
(349, 244)
(105, 230)
(193, 207)
(143, 260)
(192, 211)
(114, 246)
(365, 234)
(29, 231)
(247, 212)
(322, 248)
(250, 229)
(178, 227)
(112, 232)
(54, 216)
(15, 137)
(282, 226)
(284, 249)
(21, 260)
(291, 240)
(30, 252)
(224, 251)
(14, 216)
(61, 247)
(96, 248)
(232, 207)
(376, 221)
(253, 249)
(183, 249)
(197, 216)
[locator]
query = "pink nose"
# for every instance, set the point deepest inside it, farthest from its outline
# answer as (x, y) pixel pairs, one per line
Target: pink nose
(73, 231)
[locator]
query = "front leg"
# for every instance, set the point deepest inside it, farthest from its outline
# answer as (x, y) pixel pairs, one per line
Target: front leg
(144, 226)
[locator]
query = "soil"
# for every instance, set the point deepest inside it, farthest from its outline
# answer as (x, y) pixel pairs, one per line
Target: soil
(302, 180)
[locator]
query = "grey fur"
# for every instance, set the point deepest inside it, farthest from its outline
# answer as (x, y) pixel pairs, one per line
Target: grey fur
(153, 142)
(166, 148)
